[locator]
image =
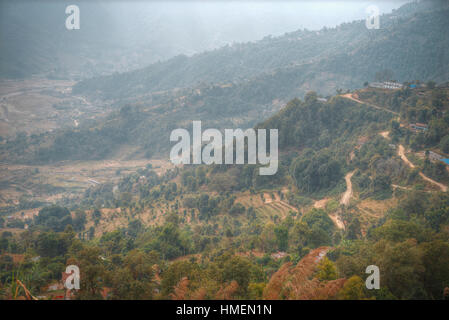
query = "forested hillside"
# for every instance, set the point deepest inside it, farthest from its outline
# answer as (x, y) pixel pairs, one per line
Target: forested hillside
(224, 232)
(343, 57)
(243, 84)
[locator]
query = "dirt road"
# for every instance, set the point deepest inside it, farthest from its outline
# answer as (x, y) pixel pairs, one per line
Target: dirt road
(401, 153)
(440, 185)
(337, 220)
(348, 193)
(350, 97)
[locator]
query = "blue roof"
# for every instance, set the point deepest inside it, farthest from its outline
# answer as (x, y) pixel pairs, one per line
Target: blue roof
(446, 161)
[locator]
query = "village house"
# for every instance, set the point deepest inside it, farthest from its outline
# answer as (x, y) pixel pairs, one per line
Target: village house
(418, 126)
(435, 156)
(386, 85)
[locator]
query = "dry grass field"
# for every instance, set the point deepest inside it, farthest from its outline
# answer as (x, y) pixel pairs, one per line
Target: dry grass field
(35, 106)
(49, 183)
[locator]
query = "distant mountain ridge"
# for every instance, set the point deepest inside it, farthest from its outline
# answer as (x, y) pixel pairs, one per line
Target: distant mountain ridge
(412, 42)
(242, 85)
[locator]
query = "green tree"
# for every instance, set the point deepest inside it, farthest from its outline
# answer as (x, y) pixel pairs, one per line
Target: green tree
(326, 270)
(353, 289)
(54, 217)
(281, 233)
(92, 272)
(436, 264)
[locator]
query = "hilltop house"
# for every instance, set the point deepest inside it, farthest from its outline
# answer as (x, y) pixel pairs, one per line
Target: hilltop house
(386, 85)
(418, 126)
(435, 156)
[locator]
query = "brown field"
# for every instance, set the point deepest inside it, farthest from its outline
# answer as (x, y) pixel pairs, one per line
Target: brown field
(372, 210)
(41, 105)
(65, 179)
(268, 207)
(114, 218)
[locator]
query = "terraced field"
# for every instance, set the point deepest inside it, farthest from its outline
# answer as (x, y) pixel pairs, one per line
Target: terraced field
(269, 206)
(48, 183)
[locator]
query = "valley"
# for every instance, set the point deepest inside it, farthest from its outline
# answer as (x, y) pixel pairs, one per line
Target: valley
(212, 208)
(362, 170)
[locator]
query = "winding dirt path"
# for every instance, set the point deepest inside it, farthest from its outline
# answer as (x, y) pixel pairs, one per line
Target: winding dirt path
(440, 185)
(350, 97)
(401, 153)
(337, 220)
(348, 193)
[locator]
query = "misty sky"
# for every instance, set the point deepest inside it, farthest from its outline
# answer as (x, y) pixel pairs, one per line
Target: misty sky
(133, 34)
(245, 20)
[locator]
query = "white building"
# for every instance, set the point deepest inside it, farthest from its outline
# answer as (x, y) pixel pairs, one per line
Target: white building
(386, 85)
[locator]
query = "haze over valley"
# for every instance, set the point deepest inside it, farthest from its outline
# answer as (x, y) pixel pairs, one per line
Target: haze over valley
(86, 179)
